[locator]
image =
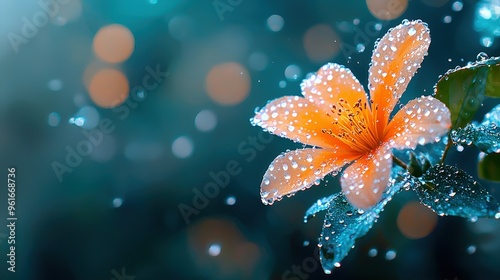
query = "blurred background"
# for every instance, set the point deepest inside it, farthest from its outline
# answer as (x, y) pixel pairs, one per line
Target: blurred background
(128, 124)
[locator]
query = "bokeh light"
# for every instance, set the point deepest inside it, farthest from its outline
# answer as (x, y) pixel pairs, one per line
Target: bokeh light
(181, 27)
(54, 119)
(293, 72)
(228, 83)
(321, 43)
(275, 23)
(108, 88)
(387, 9)
(258, 61)
(219, 247)
(205, 121)
(113, 43)
(487, 21)
(55, 85)
(182, 147)
(416, 221)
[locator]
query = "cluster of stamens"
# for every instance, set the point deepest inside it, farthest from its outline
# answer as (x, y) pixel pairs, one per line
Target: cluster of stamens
(352, 121)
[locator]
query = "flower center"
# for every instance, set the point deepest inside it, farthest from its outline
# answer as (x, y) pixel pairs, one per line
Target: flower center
(355, 125)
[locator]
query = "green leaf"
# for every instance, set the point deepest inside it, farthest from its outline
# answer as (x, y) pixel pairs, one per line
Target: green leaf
(448, 190)
(493, 81)
(488, 167)
(463, 89)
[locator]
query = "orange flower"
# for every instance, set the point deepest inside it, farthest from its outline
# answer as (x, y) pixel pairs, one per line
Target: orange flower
(336, 116)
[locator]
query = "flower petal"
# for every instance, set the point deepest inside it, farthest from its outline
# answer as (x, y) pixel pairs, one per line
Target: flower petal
(364, 181)
(296, 118)
(329, 84)
(421, 121)
(395, 60)
(298, 170)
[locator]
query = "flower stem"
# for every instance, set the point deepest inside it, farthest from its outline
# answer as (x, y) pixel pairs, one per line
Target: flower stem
(448, 146)
(400, 163)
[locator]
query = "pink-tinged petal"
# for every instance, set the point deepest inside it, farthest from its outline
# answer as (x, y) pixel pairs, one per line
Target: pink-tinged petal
(298, 119)
(298, 170)
(364, 181)
(421, 121)
(331, 83)
(395, 60)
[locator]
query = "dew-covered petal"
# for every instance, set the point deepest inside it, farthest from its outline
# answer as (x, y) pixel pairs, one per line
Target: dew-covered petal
(331, 83)
(364, 181)
(298, 119)
(298, 170)
(423, 120)
(395, 60)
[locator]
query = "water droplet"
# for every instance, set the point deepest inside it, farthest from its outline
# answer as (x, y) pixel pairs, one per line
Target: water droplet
(309, 158)
(482, 56)
(447, 19)
(287, 176)
(306, 243)
(285, 166)
(412, 31)
(360, 48)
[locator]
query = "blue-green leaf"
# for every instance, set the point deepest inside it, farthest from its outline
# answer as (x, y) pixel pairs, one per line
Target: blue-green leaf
(344, 223)
(320, 205)
(448, 190)
(485, 136)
